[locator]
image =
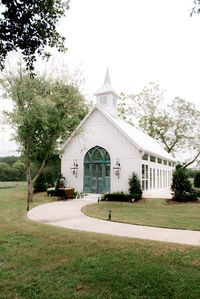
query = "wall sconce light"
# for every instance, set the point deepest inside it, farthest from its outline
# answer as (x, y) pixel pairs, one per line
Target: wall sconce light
(117, 168)
(74, 168)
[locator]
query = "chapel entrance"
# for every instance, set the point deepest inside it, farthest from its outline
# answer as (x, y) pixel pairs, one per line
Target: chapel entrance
(97, 170)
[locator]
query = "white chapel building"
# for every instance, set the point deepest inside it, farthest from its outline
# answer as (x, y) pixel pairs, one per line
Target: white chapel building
(104, 151)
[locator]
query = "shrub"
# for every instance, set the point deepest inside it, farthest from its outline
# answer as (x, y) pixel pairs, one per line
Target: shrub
(40, 184)
(197, 180)
(135, 187)
(116, 196)
(182, 187)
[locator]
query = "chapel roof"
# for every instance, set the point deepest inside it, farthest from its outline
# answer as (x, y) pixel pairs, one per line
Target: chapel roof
(140, 139)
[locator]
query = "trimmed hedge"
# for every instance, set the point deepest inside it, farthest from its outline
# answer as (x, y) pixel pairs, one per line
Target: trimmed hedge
(184, 196)
(116, 196)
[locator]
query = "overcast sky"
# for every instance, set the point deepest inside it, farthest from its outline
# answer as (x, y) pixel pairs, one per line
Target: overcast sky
(140, 41)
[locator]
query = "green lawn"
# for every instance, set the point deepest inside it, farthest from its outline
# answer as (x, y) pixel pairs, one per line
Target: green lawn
(41, 261)
(4, 185)
(153, 212)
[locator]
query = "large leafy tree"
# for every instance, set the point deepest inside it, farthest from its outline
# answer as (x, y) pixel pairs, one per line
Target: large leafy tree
(45, 113)
(30, 26)
(176, 126)
(196, 7)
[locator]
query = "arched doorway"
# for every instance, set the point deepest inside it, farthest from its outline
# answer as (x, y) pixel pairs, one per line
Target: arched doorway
(97, 170)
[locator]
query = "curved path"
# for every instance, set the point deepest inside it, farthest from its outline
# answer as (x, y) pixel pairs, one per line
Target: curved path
(68, 214)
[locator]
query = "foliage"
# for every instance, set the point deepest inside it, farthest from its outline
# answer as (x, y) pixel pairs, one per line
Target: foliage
(19, 167)
(7, 173)
(191, 172)
(40, 184)
(30, 26)
(49, 174)
(135, 187)
(116, 196)
(9, 159)
(182, 187)
(196, 7)
(197, 180)
(46, 111)
(176, 126)
(12, 170)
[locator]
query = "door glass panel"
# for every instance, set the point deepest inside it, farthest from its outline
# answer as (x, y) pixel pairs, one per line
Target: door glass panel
(87, 182)
(87, 169)
(99, 170)
(100, 186)
(94, 172)
(107, 170)
(96, 156)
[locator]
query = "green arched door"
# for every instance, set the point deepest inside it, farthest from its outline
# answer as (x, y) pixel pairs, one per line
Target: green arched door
(97, 170)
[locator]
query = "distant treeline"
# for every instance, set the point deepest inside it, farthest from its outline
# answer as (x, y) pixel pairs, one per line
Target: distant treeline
(12, 168)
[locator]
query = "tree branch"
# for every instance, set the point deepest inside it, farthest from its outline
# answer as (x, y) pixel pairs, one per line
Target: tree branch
(193, 160)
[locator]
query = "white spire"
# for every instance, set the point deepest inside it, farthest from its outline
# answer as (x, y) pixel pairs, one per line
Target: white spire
(107, 77)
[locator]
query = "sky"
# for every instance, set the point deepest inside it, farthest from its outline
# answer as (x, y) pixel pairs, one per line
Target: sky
(140, 41)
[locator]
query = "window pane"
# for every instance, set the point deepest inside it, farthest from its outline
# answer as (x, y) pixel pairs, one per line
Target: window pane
(103, 100)
(107, 170)
(145, 157)
(152, 159)
(96, 156)
(87, 169)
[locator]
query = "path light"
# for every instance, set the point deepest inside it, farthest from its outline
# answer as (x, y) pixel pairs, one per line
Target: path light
(74, 168)
(117, 168)
(109, 214)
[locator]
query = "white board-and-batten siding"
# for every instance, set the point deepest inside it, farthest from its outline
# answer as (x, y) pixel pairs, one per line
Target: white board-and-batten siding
(97, 130)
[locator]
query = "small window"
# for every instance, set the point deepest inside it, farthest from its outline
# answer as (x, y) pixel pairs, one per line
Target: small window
(169, 163)
(165, 162)
(145, 157)
(114, 101)
(159, 160)
(152, 159)
(103, 100)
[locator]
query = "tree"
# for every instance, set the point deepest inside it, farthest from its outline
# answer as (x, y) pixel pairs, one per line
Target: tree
(30, 26)
(46, 111)
(49, 175)
(175, 126)
(135, 187)
(181, 186)
(196, 7)
(197, 180)
(19, 167)
(8, 173)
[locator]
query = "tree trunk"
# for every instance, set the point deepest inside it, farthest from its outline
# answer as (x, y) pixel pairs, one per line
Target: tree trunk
(28, 174)
(29, 195)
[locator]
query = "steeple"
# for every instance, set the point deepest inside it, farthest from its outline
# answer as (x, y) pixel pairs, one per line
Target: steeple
(107, 77)
(107, 98)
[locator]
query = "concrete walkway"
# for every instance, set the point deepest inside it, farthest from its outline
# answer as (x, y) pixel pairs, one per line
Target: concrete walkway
(68, 214)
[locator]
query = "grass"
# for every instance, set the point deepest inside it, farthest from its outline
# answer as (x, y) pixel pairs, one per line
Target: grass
(41, 261)
(4, 185)
(152, 212)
